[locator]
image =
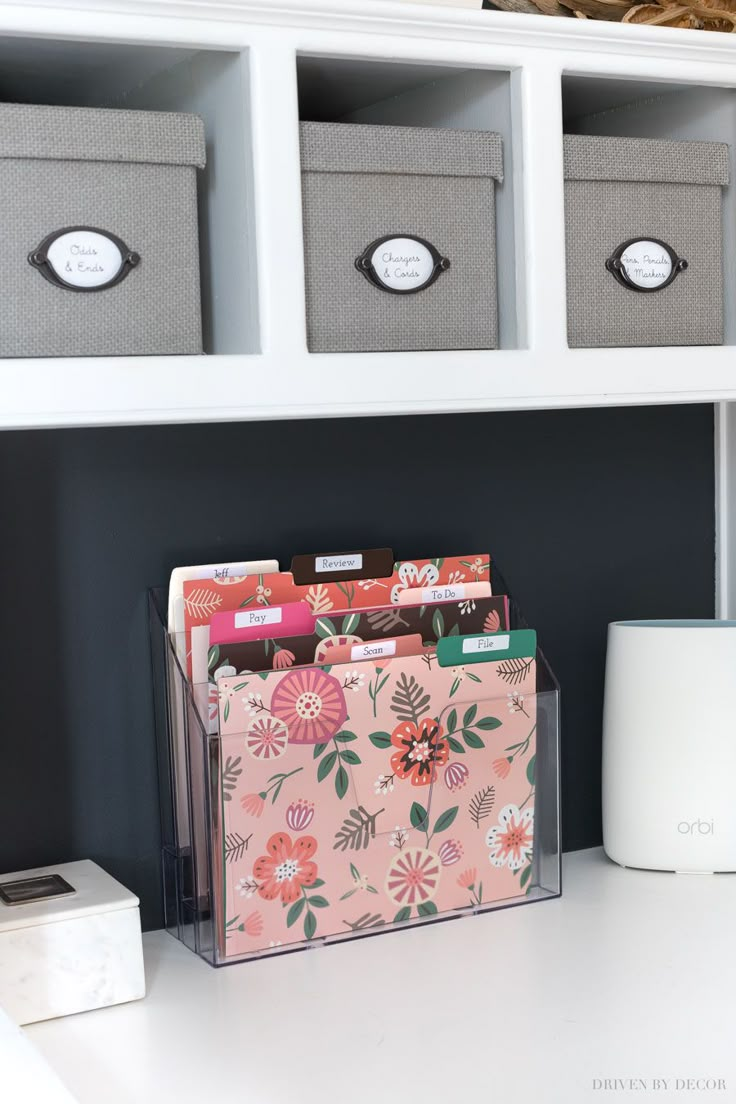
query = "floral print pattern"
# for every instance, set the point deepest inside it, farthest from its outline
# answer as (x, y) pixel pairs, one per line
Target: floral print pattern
(420, 749)
(266, 738)
(311, 704)
(456, 776)
(413, 876)
(388, 810)
(287, 867)
(411, 577)
(510, 841)
(300, 815)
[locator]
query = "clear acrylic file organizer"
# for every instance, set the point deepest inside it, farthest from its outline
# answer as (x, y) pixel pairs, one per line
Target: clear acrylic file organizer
(336, 802)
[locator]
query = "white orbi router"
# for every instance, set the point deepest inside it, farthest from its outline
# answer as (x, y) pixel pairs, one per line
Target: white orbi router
(669, 745)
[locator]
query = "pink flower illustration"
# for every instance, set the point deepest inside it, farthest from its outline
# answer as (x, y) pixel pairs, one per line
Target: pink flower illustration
(253, 924)
(253, 803)
(266, 738)
(450, 852)
(299, 815)
(492, 622)
(501, 767)
(312, 705)
(511, 840)
(283, 658)
(413, 876)
(456, 775)
(286, 868)
(468, 878)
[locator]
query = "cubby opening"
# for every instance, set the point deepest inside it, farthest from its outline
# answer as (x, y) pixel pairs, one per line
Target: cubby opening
(211, 83)
(398, 93)
(621, 108)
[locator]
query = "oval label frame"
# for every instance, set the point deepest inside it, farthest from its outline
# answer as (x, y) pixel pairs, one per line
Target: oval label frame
(39, 259)
(365, 263)
(616, 266)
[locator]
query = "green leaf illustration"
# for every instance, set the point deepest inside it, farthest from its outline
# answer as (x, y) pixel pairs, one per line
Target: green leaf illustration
(354, 870)
(454, 631)
(530, 769)
(402, 915)
(452, 720)
(445, 819)
(350, 756)
(471, 739)
(213, 657)
(318, 749)
(427, 908)
(326, 766)
(295, 912)
(418, 815)
(316, 883)
(310, 925)
(525, 876)
(319, 902)
(469, 715)
(455, 745)
(345, 737)
(349, 624)
(227, 709)
(324, 627)
(341, 782)
(438, 624)
(487, 724)
(380, 739)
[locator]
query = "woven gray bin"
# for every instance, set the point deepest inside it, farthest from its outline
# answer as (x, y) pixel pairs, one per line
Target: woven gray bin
(620, 189)
(364, 183)
(129, 174)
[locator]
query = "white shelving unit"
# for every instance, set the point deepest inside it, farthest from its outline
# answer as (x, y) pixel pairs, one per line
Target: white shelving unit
(249, 66)
(236, 62)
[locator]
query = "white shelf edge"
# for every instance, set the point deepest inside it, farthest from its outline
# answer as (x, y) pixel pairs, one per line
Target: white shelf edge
(138, 390)
(387, 17)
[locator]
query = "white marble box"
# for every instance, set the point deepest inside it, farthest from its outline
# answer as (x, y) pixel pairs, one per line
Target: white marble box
(68, 953)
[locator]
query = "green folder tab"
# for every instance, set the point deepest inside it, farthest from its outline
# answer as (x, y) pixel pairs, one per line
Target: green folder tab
(456, 651)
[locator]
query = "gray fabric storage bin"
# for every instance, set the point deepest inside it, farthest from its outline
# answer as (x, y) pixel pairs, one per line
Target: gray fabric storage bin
(364, 183)
(131, 175)
(623, 189)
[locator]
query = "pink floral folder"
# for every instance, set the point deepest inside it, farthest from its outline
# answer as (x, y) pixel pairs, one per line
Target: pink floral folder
(360, 796)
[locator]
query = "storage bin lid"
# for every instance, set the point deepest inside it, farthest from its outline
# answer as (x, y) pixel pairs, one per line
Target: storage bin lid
(95, 891)
(422, 151)
(593, 157)
(101, 134)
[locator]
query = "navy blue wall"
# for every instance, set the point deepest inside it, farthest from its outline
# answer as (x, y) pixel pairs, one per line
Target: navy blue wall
(591, 515)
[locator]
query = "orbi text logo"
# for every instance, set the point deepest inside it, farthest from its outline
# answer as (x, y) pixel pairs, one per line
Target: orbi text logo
(696, 827)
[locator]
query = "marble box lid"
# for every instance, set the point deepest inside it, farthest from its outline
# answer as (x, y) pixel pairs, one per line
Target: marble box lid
(95, 891)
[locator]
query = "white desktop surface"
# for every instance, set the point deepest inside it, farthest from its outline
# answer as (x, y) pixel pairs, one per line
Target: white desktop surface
(630, 975)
